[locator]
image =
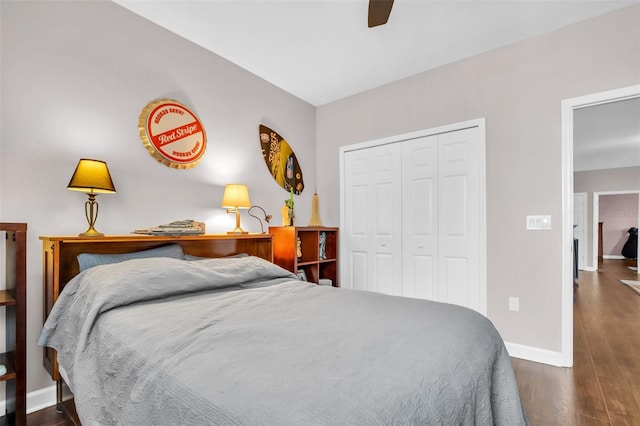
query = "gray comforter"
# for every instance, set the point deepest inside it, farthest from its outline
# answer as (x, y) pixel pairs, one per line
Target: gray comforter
(241, 342)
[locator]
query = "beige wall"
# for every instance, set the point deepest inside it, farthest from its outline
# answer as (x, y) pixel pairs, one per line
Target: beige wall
(519, 89)
(607, 180)
(74, 78)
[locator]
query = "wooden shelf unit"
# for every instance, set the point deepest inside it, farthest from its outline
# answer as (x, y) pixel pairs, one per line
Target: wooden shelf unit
(14, 300)
(285, 251)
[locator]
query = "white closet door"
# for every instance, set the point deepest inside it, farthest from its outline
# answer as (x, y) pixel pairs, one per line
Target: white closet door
(373, 239)
(420, 218)
(355, 232)
(459, 219)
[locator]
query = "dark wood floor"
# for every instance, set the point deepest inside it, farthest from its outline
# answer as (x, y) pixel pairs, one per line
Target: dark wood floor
(603, 387)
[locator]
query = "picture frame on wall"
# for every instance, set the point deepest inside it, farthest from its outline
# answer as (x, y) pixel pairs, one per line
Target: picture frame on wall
(302, 276)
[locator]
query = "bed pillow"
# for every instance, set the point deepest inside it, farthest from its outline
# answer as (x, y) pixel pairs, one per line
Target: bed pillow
(192, 257)
(89, 260)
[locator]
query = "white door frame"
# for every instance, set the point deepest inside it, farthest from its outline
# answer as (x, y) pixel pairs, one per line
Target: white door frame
(596, 213)
(566, 279)
(582, 236)
(480, 124)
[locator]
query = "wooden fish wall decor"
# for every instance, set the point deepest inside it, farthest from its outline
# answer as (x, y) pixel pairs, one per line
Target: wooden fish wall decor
(281, 160)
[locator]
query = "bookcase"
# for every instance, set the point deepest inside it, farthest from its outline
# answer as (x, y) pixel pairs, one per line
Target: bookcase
(13, 300)
(315, 266)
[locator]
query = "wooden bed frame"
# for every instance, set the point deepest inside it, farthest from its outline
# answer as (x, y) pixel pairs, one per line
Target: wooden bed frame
(60, 264)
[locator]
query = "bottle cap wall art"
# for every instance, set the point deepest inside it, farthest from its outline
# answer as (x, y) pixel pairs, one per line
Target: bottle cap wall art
(172, 134)
(280, 160)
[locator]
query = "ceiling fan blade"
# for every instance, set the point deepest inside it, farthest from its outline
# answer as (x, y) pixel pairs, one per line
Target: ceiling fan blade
(379, 11)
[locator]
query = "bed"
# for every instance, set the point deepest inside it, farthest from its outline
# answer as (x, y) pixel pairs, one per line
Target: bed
(229, 338)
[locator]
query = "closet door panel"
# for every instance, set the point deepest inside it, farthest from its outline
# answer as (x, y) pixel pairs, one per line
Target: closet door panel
(384, 273)
(454, 283)
(386, 214)
(419, 217)
(358, 277)
(459, 218)
(373, 217)
(356, 234)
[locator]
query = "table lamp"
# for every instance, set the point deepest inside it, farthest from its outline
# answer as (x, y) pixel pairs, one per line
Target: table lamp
(92, 177)
(236, 197)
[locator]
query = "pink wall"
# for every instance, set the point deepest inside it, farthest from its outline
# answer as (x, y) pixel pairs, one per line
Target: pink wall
(619, 212)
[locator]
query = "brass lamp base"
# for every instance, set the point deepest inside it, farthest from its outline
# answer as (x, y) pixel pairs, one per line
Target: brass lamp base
(91, 213)
(237, 231)
(91, 232)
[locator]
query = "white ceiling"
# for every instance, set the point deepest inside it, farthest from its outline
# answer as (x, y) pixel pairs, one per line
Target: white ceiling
(607, 136)
(322, 50)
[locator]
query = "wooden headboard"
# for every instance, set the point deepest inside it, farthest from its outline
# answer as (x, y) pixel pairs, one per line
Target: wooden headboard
(60, 263)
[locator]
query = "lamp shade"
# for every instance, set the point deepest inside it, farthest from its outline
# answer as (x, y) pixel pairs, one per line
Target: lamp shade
(236, 196)
(91, 176)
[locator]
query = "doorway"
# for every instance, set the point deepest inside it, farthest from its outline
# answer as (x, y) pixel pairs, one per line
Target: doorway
(568, 108)
(622, 218)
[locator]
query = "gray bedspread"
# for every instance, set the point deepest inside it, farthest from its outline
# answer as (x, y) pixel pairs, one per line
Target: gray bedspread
(241, 342)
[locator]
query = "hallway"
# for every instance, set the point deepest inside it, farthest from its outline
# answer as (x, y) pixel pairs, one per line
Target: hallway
(603, 387)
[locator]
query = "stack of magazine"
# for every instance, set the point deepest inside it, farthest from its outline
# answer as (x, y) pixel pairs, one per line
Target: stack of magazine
(179, 227)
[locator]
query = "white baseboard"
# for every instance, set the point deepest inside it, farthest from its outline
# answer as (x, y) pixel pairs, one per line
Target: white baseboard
(37, 400)
(613, 256)
(589, 269)
(40, 399)
(534, 354)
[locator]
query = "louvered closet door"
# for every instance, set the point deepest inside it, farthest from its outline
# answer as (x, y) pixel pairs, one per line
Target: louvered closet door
(459, 219)
(372, 196)
(420, 218)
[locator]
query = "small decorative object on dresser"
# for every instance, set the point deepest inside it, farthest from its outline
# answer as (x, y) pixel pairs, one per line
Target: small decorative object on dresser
(322, 246)
(315, 211)
(178, 227)
(302, 276)
(284, 211)
(267, 217)
(290, 204)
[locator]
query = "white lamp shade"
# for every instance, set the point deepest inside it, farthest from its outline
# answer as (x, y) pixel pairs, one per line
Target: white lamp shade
(236, 196)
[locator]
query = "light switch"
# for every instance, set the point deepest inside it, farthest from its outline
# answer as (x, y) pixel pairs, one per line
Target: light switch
(539, 223)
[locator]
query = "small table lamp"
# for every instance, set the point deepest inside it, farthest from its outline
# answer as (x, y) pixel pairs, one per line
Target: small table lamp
(236, 197)
(92, 177)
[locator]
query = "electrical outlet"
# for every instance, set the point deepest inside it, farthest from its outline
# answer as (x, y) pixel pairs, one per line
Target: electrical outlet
(514, 304)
